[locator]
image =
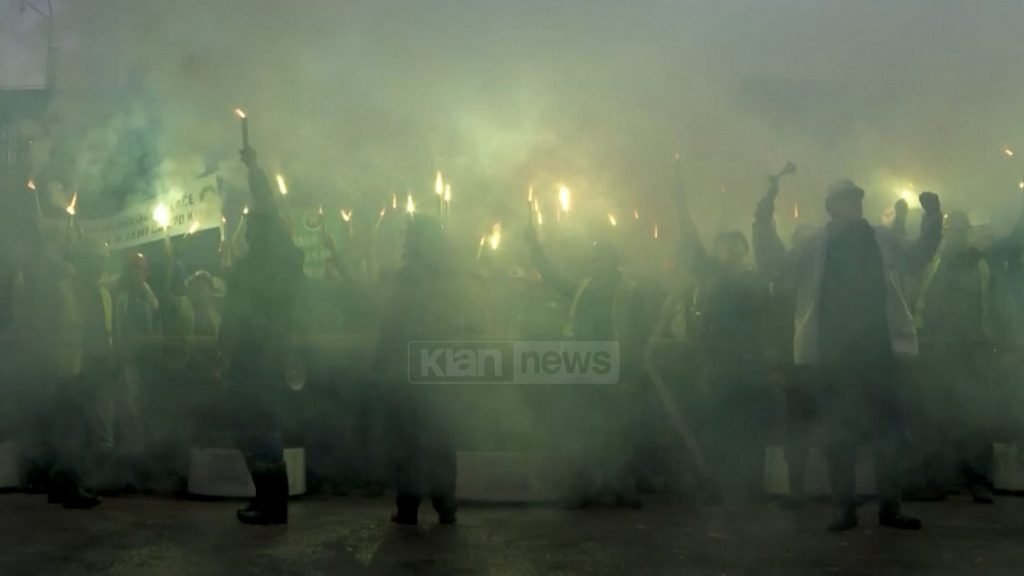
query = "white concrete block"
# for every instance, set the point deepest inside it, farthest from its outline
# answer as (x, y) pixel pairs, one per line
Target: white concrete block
(1007, 467)
(10, 465)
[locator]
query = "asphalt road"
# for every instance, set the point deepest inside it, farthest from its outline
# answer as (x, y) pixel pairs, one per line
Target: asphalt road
(152, 536)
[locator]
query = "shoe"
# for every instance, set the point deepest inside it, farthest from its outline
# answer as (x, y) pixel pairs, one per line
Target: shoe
(270, 506)
(846, 519)
(899, 521)
(66, 491)
(257, 514)
(81, 500)
(404, 519)
(981, 494)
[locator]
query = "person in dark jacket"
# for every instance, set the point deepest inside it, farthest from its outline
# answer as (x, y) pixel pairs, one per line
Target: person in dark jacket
(424, 306)
(851, 324)
(728, 330)
(603, 308)
(256, 340)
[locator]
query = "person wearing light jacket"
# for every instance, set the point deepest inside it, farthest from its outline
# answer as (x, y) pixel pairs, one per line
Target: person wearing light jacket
(852, 325)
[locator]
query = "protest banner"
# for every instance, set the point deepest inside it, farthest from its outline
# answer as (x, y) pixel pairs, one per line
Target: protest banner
(196, 209)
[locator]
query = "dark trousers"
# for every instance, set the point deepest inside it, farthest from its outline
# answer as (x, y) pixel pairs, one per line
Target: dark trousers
(957, 405)
(423, 453)
(257, 397)
(861, 404)
(801, 417)
(737, 422)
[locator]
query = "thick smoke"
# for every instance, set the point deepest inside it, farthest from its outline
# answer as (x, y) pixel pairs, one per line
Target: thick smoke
(356, 100)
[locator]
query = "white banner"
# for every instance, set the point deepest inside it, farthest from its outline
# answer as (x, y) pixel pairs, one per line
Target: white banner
(199, 209)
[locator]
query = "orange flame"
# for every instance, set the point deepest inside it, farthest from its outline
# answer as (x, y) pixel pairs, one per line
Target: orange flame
(240, 113)
(74, 202)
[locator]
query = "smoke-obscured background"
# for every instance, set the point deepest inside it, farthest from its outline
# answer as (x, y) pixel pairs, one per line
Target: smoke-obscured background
(359, 99)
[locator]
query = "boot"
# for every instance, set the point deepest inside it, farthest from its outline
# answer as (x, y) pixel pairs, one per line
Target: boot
(890, 516)
(846, 519)
(445, 507)
(408, 510)
(66, 490)
(270, 506)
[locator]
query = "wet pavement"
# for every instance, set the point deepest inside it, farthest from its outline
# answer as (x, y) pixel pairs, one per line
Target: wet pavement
(153, 536)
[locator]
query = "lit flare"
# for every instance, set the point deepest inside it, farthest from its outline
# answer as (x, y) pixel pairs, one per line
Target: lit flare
(564, 198)
(494, 238)
(162, 215)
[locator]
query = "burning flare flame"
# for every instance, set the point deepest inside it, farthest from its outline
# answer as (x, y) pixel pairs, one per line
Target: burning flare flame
(346, 215)
(281, 185)
(564, 198)
(162, 215)
(494, 238)
(31, 185)
(410, 205)
(193, 228)
(439, 184)
(612, 220)
(447, 192)
(240, 113)
(71, 206)
(1008, 152)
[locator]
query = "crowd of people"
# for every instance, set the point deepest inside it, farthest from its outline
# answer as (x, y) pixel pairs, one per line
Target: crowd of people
(847, 335)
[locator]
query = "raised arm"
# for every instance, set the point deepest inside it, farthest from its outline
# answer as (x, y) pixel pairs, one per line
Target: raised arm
(259, 185)
(918, 253)
(899, 219)
(550, 273)
(769, 251)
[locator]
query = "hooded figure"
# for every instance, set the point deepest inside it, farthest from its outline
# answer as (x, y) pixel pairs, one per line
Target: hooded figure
(852, 323)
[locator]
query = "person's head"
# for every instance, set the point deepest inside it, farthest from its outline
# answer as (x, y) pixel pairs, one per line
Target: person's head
(730, 249)
(957, 229)
(89, 259)
(136, 270)
(424, 242)
(604, 259)
(200, 288)
(845, 201)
